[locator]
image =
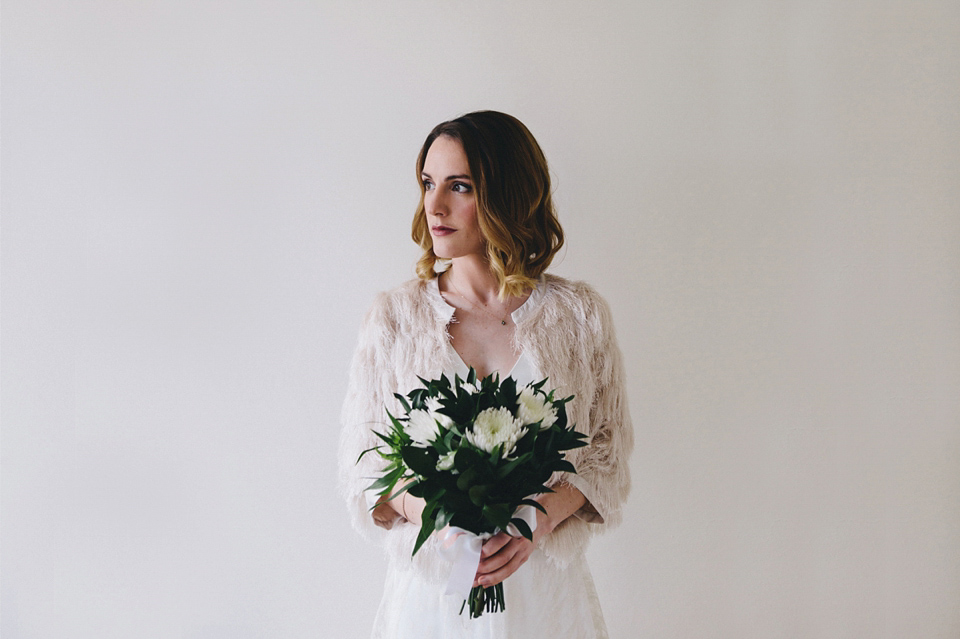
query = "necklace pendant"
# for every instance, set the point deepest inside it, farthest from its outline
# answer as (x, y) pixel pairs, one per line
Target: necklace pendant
(503, 322)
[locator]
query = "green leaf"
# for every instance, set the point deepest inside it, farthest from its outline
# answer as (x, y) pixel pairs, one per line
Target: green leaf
(388, 480)
(365, 452)
(397, 426)
(405, 488)
(533, 502)
(508, 390)
(477, 494)
(508, 468)
(427, 526)
(523, 527)
(432, 490)
(385, 438)
(448, 438)
(466, 459)
(466, 478)
(564, 465)
(419, 460)
(403, 401)
(443, 518)
(498, 515)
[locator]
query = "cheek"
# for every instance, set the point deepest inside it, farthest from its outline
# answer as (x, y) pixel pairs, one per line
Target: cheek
(474, 220)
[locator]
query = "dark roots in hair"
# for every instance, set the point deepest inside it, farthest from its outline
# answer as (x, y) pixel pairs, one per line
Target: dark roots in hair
(514, 203)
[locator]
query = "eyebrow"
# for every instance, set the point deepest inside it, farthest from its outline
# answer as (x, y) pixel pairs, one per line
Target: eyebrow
(462, 176)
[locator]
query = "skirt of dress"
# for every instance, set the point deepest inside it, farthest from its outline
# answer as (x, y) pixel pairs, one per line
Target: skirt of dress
(542, 601)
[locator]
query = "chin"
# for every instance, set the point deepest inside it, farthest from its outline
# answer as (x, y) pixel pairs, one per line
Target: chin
(445, 252)
(453, 252)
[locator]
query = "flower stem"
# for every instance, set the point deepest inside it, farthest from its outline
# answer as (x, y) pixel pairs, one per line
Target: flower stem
(482, 600)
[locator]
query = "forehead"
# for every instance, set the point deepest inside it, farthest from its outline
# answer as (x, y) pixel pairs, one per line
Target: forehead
(446, 155)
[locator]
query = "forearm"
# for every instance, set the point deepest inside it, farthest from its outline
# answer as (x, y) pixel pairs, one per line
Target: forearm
(560, 504)
(563, 502)
(405, 505)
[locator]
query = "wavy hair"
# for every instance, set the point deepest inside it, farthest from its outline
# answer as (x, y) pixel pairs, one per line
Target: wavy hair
(514, 203)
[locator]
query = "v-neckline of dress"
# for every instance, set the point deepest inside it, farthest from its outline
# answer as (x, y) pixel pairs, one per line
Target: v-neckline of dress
(465, 368)
(518, 315)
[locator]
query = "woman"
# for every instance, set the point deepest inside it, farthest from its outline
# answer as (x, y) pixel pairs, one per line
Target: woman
(488, 231)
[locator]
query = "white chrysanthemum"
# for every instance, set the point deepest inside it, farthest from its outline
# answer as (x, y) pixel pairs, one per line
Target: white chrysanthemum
(470, 388)
(532, 408)
(446, 461)
(433, 405)
(495, 426)
(422, 428)
(444, 420)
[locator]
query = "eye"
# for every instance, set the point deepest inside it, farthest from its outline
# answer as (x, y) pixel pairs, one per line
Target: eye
(427, 185)
(461, 187)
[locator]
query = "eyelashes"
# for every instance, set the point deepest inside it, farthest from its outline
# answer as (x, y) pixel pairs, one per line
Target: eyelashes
(456, 187)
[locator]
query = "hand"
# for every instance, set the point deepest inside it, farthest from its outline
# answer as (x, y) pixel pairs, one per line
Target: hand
(384, 515)
(502, 555)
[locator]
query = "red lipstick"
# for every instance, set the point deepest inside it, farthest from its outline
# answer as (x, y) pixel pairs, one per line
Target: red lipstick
(441, 230)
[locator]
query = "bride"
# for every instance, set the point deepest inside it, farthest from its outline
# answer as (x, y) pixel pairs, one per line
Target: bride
(488, 231)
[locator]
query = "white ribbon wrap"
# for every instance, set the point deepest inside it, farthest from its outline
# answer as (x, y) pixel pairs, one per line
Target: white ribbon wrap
(462, 548)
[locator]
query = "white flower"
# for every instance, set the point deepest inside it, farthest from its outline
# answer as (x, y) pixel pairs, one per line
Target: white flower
(495, 426)
(444, 420)
(532, 408)
(446, 461)
(433, 405)
(422, 428)
(470, 388)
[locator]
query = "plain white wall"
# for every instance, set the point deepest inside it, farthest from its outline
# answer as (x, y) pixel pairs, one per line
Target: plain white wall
(200, 200)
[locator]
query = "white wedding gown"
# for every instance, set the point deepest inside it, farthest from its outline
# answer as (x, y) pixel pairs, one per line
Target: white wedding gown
(543, 600)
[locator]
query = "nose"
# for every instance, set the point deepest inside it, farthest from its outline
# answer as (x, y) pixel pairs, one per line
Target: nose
(434, 204)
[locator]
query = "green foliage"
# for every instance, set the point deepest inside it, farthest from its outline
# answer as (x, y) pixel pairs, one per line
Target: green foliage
(479, 490)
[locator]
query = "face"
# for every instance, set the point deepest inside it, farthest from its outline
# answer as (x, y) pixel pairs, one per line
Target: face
(449, 200)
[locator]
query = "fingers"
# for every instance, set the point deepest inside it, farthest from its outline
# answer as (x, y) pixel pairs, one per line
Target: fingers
(499, 558)
(384, 516)
(508, 557)
(493, 545)
(495, 577)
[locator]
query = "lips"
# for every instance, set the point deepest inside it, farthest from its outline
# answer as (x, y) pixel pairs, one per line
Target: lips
(441, 230)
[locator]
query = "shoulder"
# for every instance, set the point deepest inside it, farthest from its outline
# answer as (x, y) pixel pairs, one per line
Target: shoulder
(407, 293)
(571, 289)
(577, 299)
(408, 303)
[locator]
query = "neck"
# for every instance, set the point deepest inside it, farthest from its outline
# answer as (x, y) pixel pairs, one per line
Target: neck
(471, 274)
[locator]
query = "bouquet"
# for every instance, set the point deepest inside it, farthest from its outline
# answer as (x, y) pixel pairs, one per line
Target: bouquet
(476, 452)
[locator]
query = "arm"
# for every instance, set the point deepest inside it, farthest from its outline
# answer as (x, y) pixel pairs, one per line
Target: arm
(603, 472)
(405, 506)
(602, 480)
(363, 411)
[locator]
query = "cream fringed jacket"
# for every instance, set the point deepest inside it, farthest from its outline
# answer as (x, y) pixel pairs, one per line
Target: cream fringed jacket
(566, 329)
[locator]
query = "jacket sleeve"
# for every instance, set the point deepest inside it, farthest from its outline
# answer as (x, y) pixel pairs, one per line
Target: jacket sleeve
(363, 412)
(382, 366)
(603, 472)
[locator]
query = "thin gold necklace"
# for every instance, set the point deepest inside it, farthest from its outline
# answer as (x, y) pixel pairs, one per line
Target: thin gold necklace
(475, 304)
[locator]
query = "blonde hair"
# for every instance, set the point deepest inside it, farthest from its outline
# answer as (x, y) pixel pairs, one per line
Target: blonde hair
(514, 204)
